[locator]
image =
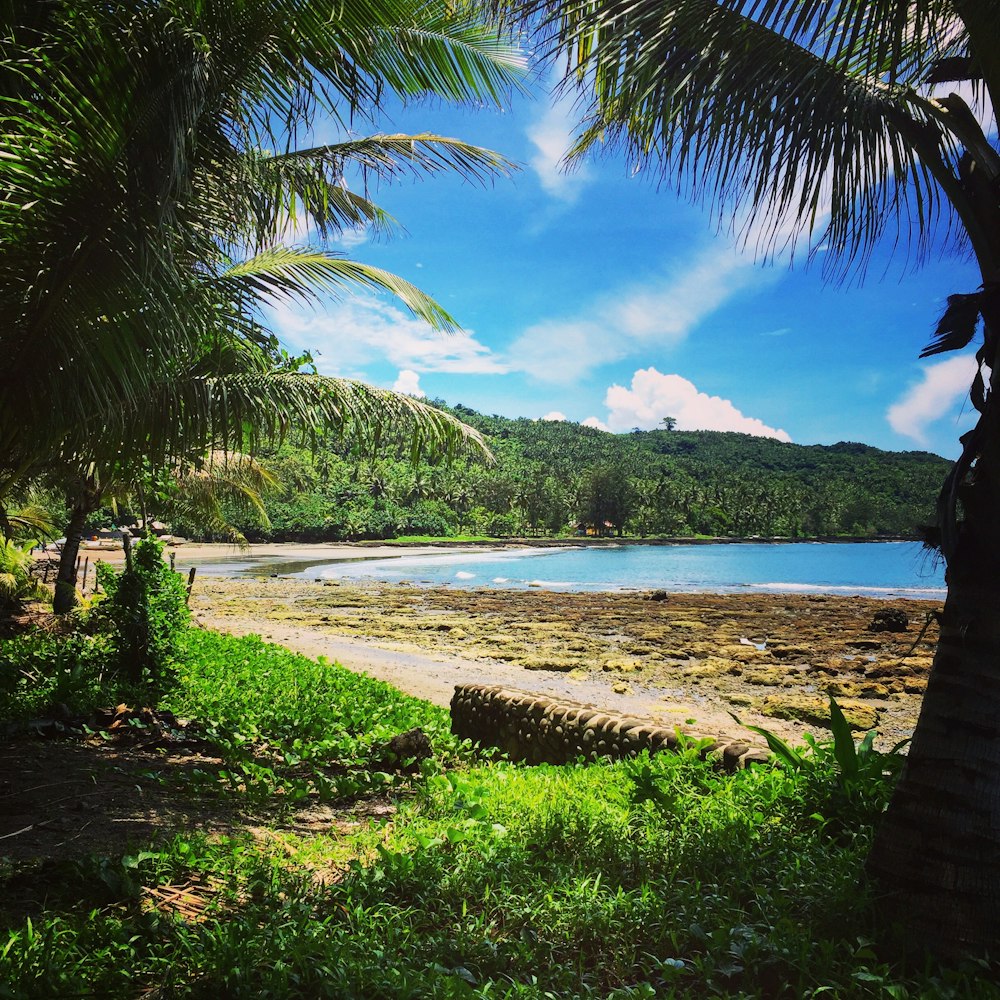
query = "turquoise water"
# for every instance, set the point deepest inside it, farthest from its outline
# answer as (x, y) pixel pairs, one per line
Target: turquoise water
(877, 569)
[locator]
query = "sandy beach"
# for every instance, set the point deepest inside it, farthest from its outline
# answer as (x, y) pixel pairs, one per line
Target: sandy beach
(688, 660)
(202, 553)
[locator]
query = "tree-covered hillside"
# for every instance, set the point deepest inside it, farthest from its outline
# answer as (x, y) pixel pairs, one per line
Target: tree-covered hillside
(554, 478)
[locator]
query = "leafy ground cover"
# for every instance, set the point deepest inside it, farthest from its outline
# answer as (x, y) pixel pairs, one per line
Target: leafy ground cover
(640, 879)
(346, 871)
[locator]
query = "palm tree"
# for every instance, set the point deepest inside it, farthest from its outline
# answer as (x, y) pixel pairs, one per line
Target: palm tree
(175, 127)
(133, 276)
(825, 122)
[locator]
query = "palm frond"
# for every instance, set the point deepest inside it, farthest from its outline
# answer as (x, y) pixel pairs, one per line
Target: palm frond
(219, 480)
(448, 53)
(797, 117)
(388, 156)
(289, 272)
(957, 325)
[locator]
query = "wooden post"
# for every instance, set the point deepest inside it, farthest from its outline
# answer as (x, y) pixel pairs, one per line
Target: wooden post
(191, 573)
(86, 566)
(173, 559)
(127, 546)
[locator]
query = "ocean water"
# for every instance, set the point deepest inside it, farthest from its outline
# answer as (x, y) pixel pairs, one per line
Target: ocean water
(875, 569)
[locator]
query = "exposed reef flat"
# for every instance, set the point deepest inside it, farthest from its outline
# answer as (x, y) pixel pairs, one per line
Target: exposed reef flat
(684, 659)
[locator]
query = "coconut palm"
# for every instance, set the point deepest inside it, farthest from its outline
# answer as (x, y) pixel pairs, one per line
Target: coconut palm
(846, 124)
(134, 275)
(175, 127)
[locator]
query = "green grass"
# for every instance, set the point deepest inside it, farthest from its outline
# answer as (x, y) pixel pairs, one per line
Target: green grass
(295, 726)
(651, 878)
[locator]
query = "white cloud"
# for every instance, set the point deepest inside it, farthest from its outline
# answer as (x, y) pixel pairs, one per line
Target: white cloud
(654, 396)
(594, 422)
(351, 238)
(661, 312)
(564, 351)
(943, 386)
(359, 329)
(408, 382)
(554, 415)
(302, 230)
(551, 136)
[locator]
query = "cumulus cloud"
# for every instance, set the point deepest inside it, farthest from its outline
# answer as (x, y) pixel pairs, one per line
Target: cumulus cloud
(653, 396)
(408, 382)
(357, 330)
(554, 415)
(551, 135)
(594, 422)
(938, 393)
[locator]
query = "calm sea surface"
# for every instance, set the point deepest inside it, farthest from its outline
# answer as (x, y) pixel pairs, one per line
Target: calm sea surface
(877, 569)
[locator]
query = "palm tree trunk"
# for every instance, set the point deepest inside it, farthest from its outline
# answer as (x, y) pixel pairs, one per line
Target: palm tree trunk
(83, 504)
(937, 853)
(936, 856)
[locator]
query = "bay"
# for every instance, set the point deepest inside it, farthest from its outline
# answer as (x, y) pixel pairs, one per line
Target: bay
(873, 569)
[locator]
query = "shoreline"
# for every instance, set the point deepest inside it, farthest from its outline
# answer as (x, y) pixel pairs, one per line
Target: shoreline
(299, 559)
(301, 551)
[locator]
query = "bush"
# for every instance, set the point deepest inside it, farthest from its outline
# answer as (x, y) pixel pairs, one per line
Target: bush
(41, 672)
(16, 582)
(146, 614)
(428, 517)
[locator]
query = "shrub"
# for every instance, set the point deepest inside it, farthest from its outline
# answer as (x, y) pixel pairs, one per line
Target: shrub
(16, 582)
(146, 613)
(39, 672)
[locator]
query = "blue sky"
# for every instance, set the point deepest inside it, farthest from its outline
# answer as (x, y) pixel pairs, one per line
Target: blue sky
(596, 297)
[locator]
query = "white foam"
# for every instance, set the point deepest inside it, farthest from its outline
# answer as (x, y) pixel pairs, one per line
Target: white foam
(830, 588)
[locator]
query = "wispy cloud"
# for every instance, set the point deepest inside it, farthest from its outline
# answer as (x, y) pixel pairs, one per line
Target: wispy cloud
(351, 238)
(938, 394)
(551, 135)
(359, 330)
(654, 395)
(618, 324)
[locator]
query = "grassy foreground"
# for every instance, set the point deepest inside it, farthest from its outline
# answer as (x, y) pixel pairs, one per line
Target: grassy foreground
(650, 878)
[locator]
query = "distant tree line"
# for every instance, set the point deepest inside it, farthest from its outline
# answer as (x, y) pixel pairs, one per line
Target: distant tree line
(559, 478)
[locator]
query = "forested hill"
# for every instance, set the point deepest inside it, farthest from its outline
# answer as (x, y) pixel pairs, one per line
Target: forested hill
(560, 477)
(569, 446)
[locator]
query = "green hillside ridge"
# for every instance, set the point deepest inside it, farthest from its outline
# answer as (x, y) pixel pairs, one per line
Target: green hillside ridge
(560, 478)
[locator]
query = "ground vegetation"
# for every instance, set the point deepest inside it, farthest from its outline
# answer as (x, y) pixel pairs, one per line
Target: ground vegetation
(255, 834)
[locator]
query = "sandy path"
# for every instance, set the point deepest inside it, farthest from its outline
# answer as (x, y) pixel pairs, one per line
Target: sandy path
(434, 676)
